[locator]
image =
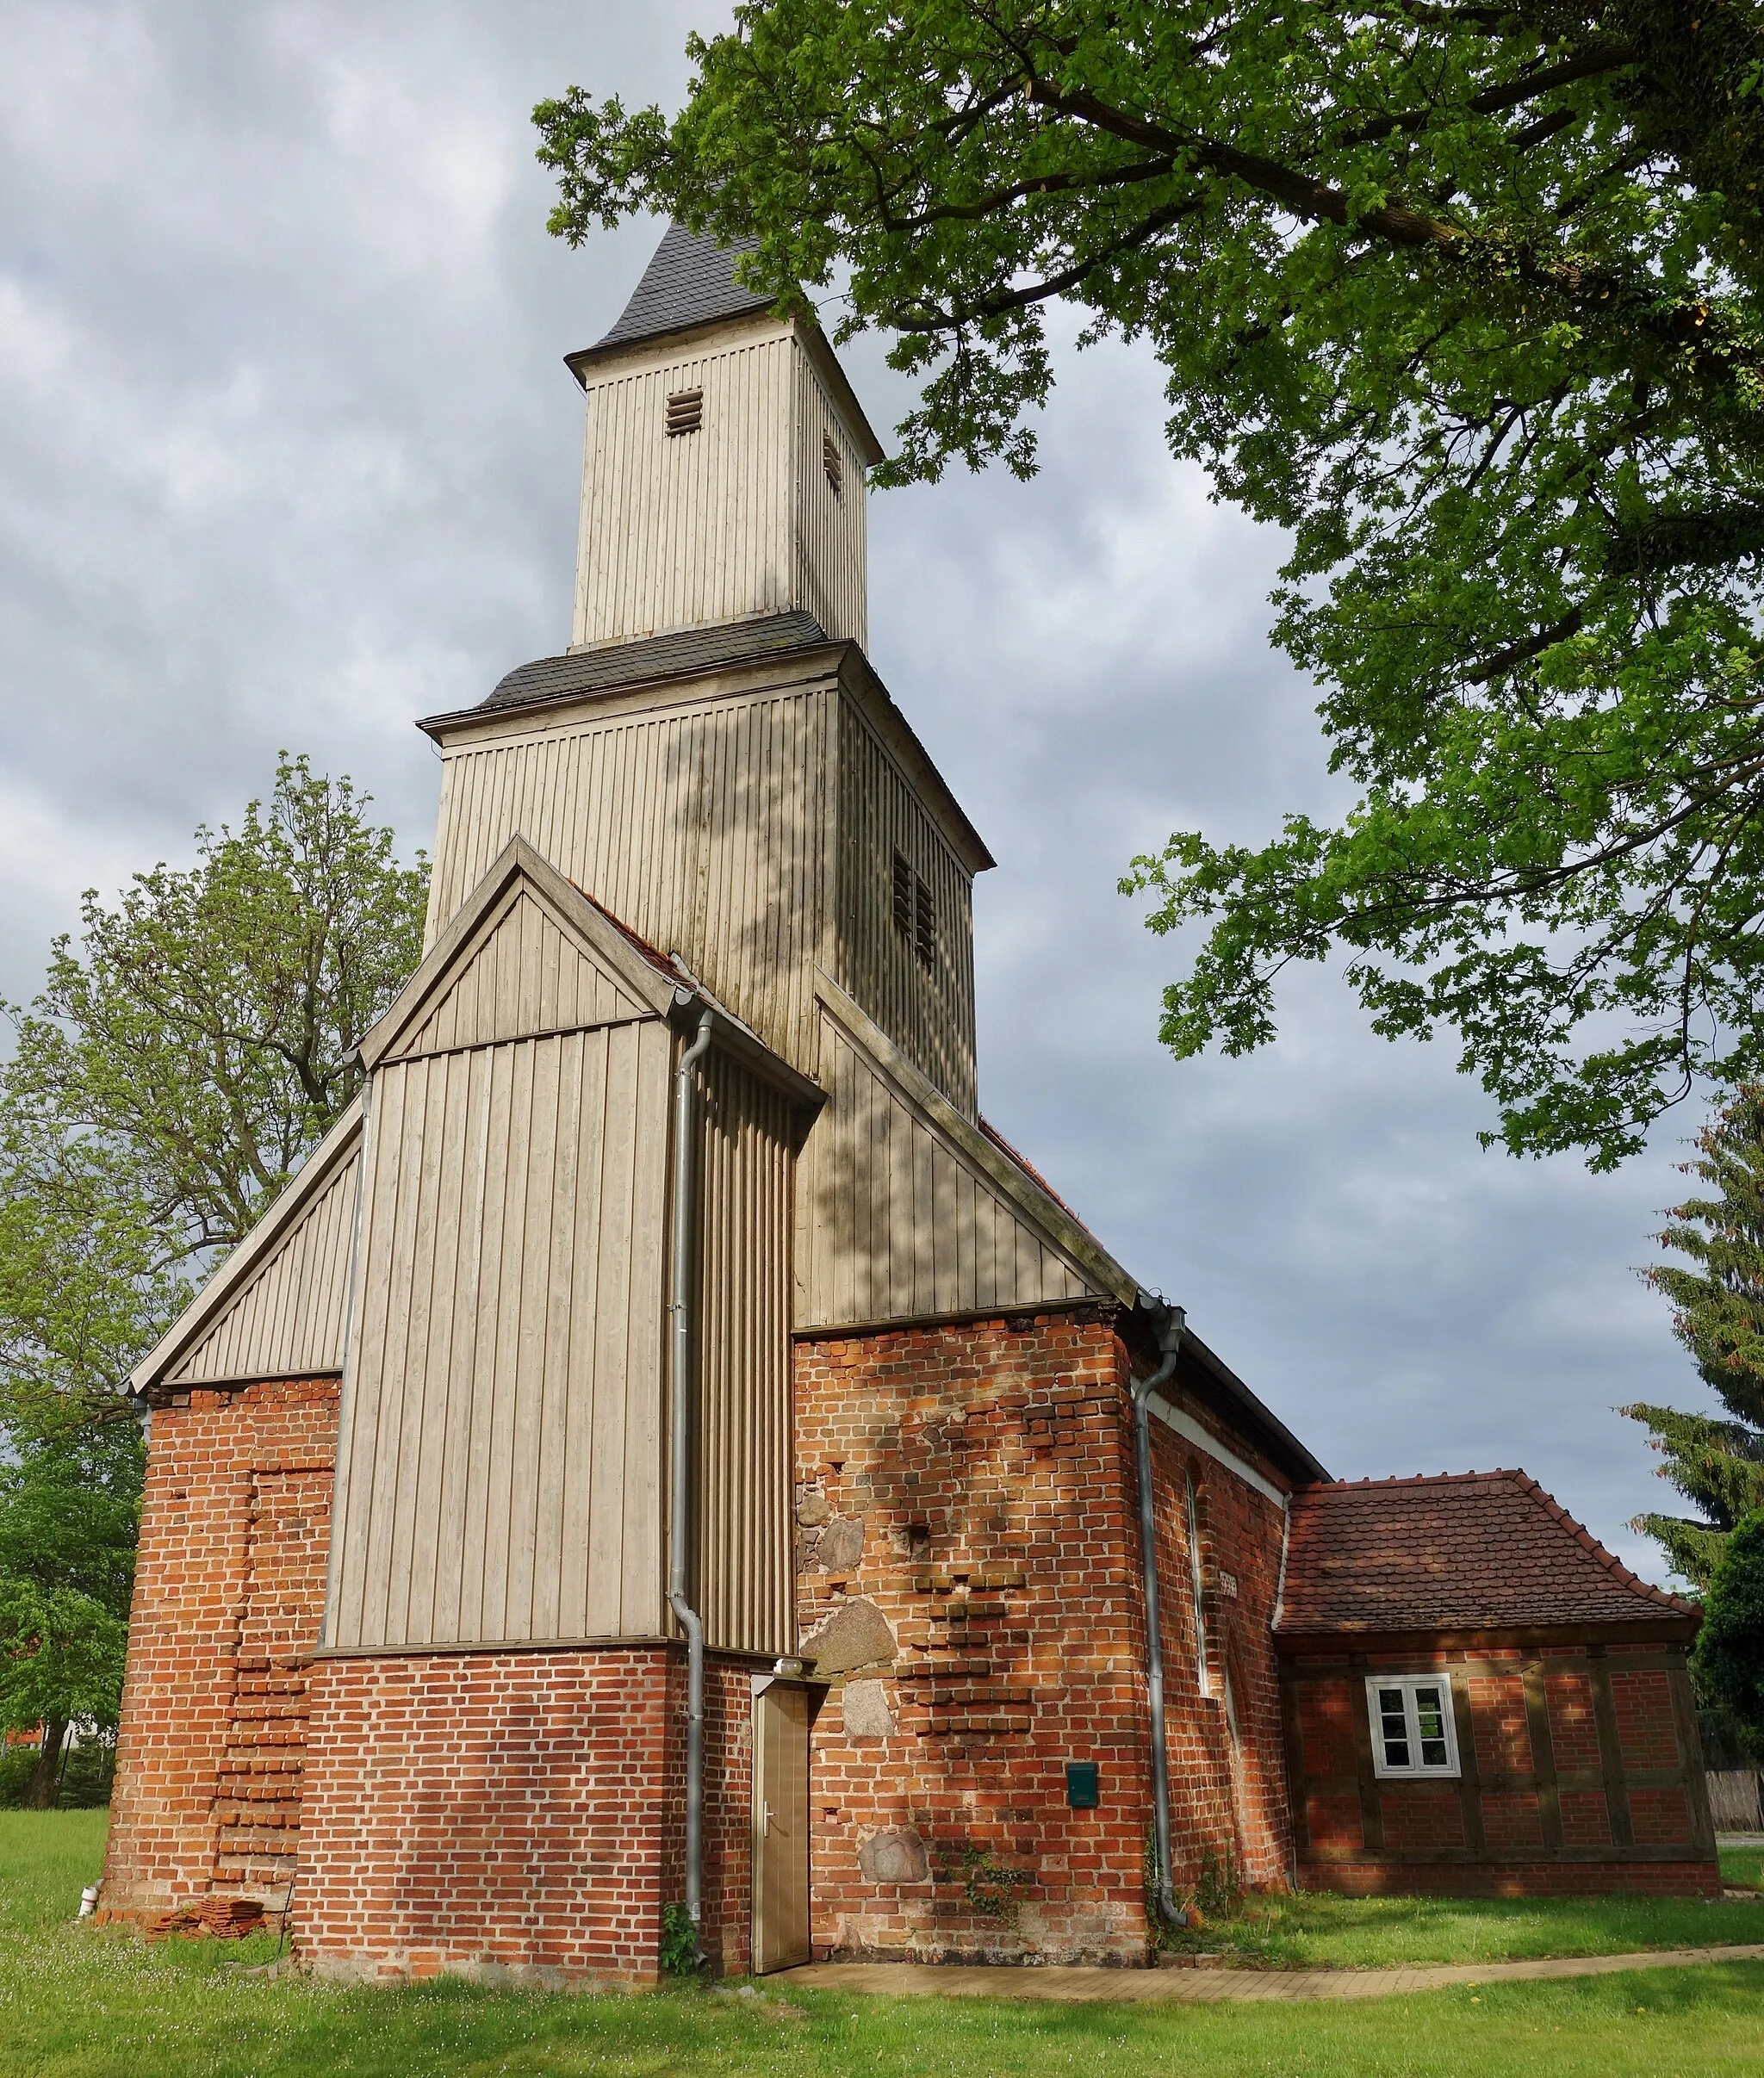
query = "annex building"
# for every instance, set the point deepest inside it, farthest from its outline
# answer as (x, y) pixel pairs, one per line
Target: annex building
(665, 1450)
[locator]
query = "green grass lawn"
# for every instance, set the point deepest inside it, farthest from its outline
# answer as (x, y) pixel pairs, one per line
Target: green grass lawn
(95, 2003)
(1316, 1929)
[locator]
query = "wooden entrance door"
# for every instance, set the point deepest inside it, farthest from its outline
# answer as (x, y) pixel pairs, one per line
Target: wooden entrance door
(781, 1826)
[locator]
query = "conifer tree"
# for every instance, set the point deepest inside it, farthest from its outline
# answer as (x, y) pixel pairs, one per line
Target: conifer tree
(1717, 1461)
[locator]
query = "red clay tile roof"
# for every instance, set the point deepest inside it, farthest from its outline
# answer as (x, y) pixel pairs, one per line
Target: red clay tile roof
(1476, 1551)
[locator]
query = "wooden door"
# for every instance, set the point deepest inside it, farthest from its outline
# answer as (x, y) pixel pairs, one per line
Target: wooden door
(781, 1826)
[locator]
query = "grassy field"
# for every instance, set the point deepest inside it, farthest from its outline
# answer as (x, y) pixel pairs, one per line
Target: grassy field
(1317, 1930)
(85, 2003)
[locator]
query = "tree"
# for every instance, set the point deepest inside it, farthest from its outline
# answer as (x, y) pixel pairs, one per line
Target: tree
(1719, 1315)
(84, 1291)
(202, 1032)
(1466, 298)
(1729, 1660)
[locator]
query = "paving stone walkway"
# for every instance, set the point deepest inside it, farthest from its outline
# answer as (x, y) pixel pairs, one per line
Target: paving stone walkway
(1208, 1986)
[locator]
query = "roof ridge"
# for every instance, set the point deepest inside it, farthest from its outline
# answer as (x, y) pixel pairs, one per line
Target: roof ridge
(1405, 1478)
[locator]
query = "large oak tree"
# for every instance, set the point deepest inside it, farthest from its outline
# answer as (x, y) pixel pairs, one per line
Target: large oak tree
(1464, 297)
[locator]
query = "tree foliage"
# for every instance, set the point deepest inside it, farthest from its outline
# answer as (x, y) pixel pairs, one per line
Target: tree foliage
(1717, 1303)
(1464, 297)
(200, 1035)
(1729, 1661)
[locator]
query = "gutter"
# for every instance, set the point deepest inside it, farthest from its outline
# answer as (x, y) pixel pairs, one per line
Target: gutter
(679, 1452)
(1169, 1340)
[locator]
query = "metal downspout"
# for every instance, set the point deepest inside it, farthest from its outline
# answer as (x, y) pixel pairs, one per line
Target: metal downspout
(1170, 1336)
(679, 1450)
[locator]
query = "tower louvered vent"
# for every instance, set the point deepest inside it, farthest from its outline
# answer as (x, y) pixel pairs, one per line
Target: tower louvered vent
(915, 909)
(831, 463)
(685, 412)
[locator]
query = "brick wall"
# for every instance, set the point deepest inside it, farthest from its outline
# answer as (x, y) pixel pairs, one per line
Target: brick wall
(229, 1587)
(971, 1488)
(516, 1816)
(1546, 1803)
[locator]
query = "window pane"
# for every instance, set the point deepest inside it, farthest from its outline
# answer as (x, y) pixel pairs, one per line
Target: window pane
(1430, 1723)
(1393, 1728)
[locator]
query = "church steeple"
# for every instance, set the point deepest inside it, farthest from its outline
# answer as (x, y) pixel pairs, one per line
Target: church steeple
(723, 465)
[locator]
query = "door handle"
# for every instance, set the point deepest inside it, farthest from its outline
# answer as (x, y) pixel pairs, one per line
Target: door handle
(766, 1825)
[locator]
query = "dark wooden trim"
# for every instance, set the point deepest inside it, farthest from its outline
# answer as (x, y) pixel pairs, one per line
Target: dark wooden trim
(1617, 1795)
(1499, 1858)
(1664, 1630)
(1469, 1775)
(1099, 1304)
(1371, 1806)
(1298, 1781)
(1543, 1754)
(1690, 1747)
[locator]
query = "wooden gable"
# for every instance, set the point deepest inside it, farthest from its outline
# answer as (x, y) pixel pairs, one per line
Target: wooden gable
(528, 954)
(525, 975)
(906, 1211)
(277, 1307)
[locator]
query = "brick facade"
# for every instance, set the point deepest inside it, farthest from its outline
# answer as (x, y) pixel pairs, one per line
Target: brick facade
(1580, 1774)
(973, 1485)
(515, 1816)
(229, 1586)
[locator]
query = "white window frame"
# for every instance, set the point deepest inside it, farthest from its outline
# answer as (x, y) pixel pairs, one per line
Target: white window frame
(1416, 1770)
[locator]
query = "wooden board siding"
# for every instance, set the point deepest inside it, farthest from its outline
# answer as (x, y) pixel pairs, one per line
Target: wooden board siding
(702, 829)
(698, 529)
(895, 1220)
(744, 1562)
(498, 1471)
(523, 975)
(288, 1321)
(831, 582)
(930, 1017)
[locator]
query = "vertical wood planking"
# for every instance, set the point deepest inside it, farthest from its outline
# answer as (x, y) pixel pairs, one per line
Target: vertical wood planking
(742, 1557)
(696, 528)
(930, 1017)
(500, 1463)
(893, 1221)
(829, 524)
(701, 828)
(288, 1321)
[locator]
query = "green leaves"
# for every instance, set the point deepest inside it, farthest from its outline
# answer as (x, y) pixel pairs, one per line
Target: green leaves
(1717, 1303)
(200, 1035)
(1729, 1660)
(1466, 302)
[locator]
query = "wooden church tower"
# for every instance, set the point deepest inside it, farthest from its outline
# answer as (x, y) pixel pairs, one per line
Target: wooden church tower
(664, 1452)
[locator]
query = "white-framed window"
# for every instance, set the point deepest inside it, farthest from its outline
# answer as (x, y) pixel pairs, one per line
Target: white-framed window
(1413, 1730)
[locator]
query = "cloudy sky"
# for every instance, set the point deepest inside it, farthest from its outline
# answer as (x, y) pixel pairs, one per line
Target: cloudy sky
(288, 457)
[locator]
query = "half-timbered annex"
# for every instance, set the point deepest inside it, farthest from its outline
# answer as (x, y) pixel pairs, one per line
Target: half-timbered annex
(665, 1455)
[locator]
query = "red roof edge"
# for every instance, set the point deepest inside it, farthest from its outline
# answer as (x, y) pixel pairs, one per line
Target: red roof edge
(640, 946)
(1583, 1537)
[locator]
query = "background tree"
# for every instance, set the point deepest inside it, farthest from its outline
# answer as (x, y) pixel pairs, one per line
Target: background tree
(1717, 1313)
(1466, 298)
(84, 1291)
(181, 1062)
(1729, 1660)
(202, 1031)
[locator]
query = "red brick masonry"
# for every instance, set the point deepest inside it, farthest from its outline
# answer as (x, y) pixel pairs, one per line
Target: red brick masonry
(973, 1486)
(230, 1584)
(1580, 1769)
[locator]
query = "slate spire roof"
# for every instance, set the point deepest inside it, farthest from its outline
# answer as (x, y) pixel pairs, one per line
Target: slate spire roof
(690, 281)
(1468, 1551)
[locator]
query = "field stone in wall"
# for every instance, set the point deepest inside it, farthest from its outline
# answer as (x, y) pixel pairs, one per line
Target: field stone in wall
(865, 1712)
(842, 1544)
(894, 1857)
(856, 1634)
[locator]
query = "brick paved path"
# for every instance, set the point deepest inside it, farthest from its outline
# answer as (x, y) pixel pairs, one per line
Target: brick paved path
(1206, 1986)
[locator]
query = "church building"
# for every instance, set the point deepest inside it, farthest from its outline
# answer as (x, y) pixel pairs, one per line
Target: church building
(666, 1467)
